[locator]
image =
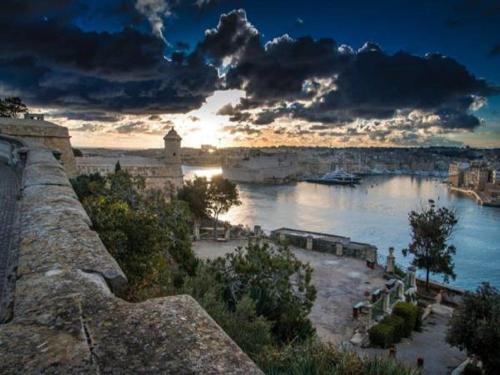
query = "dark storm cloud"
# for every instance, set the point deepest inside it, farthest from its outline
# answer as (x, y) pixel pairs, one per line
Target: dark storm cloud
(245, 129)
(51, 62)
(232, 36)
(495, 50)
(338, 83)
(88, 116)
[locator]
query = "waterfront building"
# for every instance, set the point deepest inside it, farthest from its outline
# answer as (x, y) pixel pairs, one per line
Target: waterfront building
(163, 174)
(456, 172)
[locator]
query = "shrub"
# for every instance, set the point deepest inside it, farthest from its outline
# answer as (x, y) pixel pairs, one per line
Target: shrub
(471, 369)
(382, 335)
(398, 325)
(409, 313)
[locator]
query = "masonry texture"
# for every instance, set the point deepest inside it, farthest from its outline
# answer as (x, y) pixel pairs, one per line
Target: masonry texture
(8, 192)
(66, 318)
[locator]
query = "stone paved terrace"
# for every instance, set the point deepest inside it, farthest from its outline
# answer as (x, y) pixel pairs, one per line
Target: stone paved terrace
(66, 318)
(340, 283)
(429, 344)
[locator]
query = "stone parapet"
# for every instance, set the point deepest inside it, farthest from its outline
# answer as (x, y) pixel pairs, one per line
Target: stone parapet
(65, 316)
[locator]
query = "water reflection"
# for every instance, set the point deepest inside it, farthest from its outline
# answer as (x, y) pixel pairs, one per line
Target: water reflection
(376, 212)
(208, 172)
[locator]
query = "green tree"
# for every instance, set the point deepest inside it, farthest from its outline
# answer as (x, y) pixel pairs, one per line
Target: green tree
(223, 194)
(118, 167)
(278, 283)
(430, 231)
(475, 327)
(195, 194)
(88, 185)
(12, 107)
(240, 321)
(147, 235)
(136, 240)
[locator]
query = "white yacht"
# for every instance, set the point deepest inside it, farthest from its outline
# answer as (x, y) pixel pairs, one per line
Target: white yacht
(337, 177)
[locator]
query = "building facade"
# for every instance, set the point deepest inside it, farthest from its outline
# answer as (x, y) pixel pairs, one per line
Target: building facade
(158, 174)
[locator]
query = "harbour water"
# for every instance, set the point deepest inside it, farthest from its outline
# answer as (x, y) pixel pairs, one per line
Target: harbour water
(376, 211)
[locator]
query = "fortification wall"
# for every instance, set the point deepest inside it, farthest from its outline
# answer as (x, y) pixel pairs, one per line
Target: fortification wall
(65, 316)
(50, 135)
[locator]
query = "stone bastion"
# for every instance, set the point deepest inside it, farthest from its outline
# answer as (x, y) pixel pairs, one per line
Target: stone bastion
(63, 314)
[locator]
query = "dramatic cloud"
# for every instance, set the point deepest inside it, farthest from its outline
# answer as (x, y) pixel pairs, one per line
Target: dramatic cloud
(52, 62)
(319, 81)
(155, 11)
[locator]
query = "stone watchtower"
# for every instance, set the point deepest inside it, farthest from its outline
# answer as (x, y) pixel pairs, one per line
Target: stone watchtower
(173, 157)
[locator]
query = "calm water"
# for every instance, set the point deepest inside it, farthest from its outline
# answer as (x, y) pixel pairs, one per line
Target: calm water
(375, 212)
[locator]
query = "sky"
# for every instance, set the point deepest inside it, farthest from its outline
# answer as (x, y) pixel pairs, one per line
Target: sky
(121, 73)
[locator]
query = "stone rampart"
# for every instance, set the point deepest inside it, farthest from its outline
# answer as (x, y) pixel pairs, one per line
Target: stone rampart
(65, 316)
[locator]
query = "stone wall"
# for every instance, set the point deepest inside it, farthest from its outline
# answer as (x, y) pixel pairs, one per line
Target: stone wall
(65, 316)
(48, 134)
(326, 243)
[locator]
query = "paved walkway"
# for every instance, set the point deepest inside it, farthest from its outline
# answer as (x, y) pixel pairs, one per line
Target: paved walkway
(8, 192)
(340, 283)
(429, 344)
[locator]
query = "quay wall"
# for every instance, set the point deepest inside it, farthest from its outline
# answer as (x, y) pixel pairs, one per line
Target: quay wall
(65, 316)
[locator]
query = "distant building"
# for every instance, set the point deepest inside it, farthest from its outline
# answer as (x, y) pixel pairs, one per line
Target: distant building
(456, 173)
(34, 128)
(163, 175)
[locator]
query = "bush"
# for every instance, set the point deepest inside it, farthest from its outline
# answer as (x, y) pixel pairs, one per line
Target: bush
(409, 313)
(389, 331)
(471, 369)
(382, 335)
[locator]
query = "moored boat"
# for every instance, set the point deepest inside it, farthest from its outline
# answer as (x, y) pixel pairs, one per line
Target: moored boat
(337, 177)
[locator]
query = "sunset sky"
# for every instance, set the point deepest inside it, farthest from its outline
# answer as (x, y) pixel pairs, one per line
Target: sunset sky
(120, 73)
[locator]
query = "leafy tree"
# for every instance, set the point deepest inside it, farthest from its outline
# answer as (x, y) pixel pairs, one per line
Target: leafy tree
(147, 235)
(241, 322)
(118, 167)
(430, 231)
(278, 283)
(12, 107)
(223, 194)
(174, 217)
(475, 327)
(196, 194)
(88, 185)
(136, 240)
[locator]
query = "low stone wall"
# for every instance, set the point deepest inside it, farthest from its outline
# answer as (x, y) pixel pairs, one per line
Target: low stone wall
(65, 317)
(326, 243)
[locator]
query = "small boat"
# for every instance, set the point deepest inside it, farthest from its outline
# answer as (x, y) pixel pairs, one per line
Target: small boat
(337, 177)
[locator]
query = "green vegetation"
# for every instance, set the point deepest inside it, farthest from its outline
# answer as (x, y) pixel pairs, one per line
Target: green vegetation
(382, 335)
(431, 229)
(403, 320)
(209, 198)
(475, 327)
(410, 315)
(149, 238)
(12, 107)
(471, 369)
(261, 296)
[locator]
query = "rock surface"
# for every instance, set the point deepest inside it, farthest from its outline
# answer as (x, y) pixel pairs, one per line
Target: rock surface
(66, 318)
